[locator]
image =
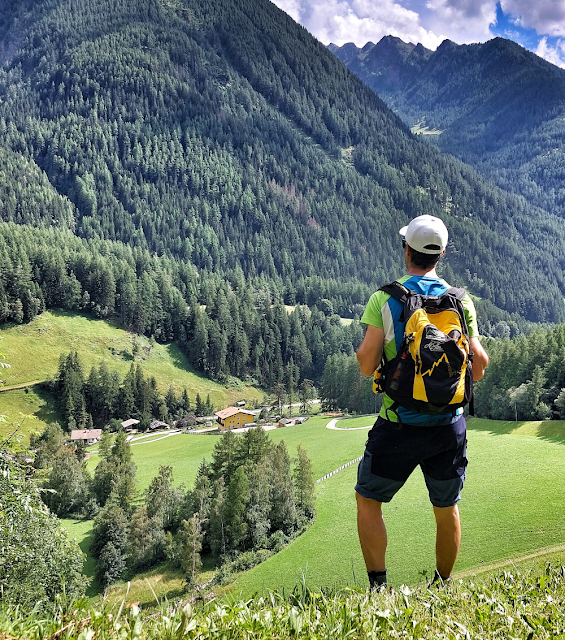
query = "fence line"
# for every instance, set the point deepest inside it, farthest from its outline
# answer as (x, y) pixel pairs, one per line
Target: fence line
(343, 466)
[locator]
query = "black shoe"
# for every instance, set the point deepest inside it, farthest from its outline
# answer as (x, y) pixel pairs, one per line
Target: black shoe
(438, 581)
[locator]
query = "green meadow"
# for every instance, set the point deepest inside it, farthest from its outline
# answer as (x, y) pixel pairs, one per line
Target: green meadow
(512, 508)
(33, 352)
(327, 449)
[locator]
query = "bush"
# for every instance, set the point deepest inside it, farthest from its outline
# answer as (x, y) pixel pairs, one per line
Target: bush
(278, 541)
(243, 562)
(38, 562)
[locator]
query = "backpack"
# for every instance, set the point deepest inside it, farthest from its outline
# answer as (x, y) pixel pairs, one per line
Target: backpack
(432, 371)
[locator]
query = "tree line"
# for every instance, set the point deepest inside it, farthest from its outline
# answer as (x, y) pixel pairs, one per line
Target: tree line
(345, 388)
(225, 327)
(104, 400)
(525, 379)
(251, 499)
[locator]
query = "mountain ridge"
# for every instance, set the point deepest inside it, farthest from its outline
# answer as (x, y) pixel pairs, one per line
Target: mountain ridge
(202, 130)
(498, 107)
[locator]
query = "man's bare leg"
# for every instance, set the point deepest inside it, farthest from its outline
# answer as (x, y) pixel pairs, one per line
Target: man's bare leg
(448, 539)
(372, 532)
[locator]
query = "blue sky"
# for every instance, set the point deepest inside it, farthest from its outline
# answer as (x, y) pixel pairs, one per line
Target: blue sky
(538, 25)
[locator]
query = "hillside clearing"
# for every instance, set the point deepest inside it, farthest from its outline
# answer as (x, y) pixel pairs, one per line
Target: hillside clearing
(33, 351)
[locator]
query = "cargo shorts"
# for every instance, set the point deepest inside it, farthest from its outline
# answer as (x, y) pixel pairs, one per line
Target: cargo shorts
(393, 450)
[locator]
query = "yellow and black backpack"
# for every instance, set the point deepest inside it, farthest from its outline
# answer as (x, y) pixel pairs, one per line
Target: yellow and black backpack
(432, 371)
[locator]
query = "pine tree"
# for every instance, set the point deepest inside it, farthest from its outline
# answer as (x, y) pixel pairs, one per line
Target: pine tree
(162, 500)
(306, 394)
(304, 485)
(67, 485)
(252, 446)
(185, 402)
(283, 506)
(190, 541)
(259, 503)
(236, 509)
(292, 376)
(218, 521)
(225, 457)
(146, 541)
(200, 408)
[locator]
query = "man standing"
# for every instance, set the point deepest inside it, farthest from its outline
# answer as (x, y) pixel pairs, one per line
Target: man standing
(402, 439)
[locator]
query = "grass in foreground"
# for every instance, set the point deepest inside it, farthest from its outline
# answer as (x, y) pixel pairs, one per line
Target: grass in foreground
(510, 605)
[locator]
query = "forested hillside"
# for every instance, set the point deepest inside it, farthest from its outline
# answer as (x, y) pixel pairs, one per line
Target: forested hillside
(495, 105)
(191, 164)
(525, 379)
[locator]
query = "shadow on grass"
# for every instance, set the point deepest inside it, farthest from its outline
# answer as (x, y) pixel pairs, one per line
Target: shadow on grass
(150, 588)
(551, 430)
(84, 541)
(63, 313)
(47, 413)
(179, 359)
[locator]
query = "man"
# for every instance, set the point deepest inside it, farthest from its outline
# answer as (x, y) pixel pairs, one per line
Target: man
(401, 439)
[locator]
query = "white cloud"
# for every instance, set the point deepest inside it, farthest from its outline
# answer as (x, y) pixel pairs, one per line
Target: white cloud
(553, 53)
(292, 7)
(430, 21)
(341, 21)
(545, 16)
(464, 20)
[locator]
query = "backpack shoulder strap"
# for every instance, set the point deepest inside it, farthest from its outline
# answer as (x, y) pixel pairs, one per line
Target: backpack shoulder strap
(457, 292)
(397, 290)
(404, 295)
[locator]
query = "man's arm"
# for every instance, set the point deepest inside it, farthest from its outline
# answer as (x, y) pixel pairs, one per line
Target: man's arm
(480, 358)
(370, 351)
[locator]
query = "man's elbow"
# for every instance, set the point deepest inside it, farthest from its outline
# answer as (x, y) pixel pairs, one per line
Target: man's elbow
(365, 365)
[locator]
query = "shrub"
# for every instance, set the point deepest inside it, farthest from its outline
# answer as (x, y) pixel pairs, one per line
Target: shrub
(38, 562)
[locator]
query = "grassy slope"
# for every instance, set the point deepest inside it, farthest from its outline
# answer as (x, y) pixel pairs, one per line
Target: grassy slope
(33, 351)
(81, 531)
(512, 505)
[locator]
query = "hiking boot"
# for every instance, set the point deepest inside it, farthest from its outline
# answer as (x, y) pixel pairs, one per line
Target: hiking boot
(438, 581)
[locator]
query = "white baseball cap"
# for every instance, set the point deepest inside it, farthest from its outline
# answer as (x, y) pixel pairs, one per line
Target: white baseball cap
(426, 234)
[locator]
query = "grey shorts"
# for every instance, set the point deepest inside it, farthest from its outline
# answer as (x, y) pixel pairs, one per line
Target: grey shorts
(394, 450)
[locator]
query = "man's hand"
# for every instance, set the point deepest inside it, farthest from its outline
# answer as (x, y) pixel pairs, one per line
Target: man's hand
(370, 351)
(480, 358)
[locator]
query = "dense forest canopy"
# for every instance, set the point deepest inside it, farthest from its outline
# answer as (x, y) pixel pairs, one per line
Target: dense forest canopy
(494, 105)
(188, 167)
(202, 130)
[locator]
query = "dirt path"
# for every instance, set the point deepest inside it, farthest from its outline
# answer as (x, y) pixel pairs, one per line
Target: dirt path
(331, 425)
(22, 385)
(508, 563)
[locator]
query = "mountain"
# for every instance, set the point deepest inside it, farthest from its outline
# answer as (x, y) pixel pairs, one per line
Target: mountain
(495, 106)
(222, 136)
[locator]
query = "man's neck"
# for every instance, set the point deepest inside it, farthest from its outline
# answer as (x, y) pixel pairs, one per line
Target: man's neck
(417, 271)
